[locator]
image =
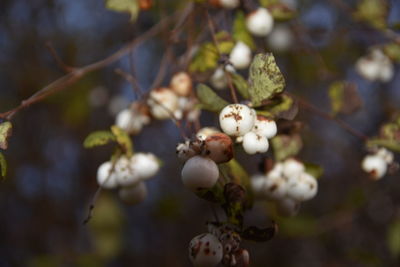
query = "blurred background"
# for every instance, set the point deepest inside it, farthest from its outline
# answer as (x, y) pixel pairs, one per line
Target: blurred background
(52, 178)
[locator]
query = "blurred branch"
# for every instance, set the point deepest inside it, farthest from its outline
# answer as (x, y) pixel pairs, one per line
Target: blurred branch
(78, 73)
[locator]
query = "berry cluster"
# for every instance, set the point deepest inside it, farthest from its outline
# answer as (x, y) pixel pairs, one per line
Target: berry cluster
(375, 66)
(128, 174)
(287, 184)
(253, 131)
(376, 164)
(173, 102)
(220, 246)
(201, 157)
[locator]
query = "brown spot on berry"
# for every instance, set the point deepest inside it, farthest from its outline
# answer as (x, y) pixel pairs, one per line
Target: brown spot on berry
(273, 188)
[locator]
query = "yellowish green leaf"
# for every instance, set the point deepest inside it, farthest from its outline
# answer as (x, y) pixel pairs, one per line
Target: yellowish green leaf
(240, 32)
(3, 165)
(393, 145)
(241, 85)
(266, 80)
(209, 99)
(207, 56)
(315, 170)
(123, 140)
(98, 138)
(285, 146)
(280, 107)
(344, 97)
(5, 133)
(393, 238)
(126, 6)
(392, 50)
(373, 12)
(281, 12)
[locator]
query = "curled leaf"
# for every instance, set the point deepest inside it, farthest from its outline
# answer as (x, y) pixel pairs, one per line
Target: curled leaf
(98, 138)
(209, 99)
(265, 79)
(3, 165)
(5, 133)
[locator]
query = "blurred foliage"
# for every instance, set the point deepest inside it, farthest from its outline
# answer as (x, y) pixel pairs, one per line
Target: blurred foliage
(389, 135)
(128, 6)
(240, 32)
(240, 85)
(392, 50)
(393, 238)
(5, 133)
(207, 55)
(285, 146)
(209, 100)
(280, 107)
(98, 138)
(3, 165)
(344, 97)
(123, 139)
(373, 12)
(314, 169)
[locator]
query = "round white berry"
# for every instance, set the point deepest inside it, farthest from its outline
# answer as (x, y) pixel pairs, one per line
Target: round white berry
(236, 119)
(181, 84)
(375, 165)
(145, 165)
(219, 147)
(199, 172)
(240, 56)
(367, 68)
(229, 4)
(292, 168)
(106, 178)
(386, 72)
(277, 170)
(260, 22)
(281, 38)
(305, 188)
(265, 127)
(275, 187)
(205, 250)
(254, 143)
(126, 175)
(163, 103)
(133, 194)
(387, 155)
(128, 122)
(287, 207)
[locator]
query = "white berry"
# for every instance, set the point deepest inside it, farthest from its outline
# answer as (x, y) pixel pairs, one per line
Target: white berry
(305, 188)
(133, 194)
(205, 250)
(265, 127)
(199, 172)
(281, 38)
(275, 187)
(260, 22)
(375, 166)
(126, 175)
(184, 151)
(127, 121)
(387, 155)
(181, 84)
(205, 132)
(254, 143)
(240, 56)
(257, 182)
(287, 207)
(236, 119)
(292, 168)
(229, 4)
(145, 165)
(163, 103)
(105, 177)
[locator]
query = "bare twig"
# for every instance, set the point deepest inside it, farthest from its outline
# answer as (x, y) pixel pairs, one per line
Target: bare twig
(57, 58)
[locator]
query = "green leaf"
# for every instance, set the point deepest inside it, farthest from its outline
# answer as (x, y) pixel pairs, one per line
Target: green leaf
(5, 133)
(393, 238)
(241, 85)
(392, 50)
(393, 145)
(286, 146)
(209, 99)
(344, 97)
(281, 12)
(240, 32)
(315, 170)
(281, 107)
(3, 165)
(298, 226)
(128, 6)
(123, 140)
(98, 138)
(207, 56)
(266, 80)
(373, 12)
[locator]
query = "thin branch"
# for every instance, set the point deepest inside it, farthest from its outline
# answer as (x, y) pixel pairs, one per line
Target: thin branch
(58, 59)
(329, 117)
(78, 73)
